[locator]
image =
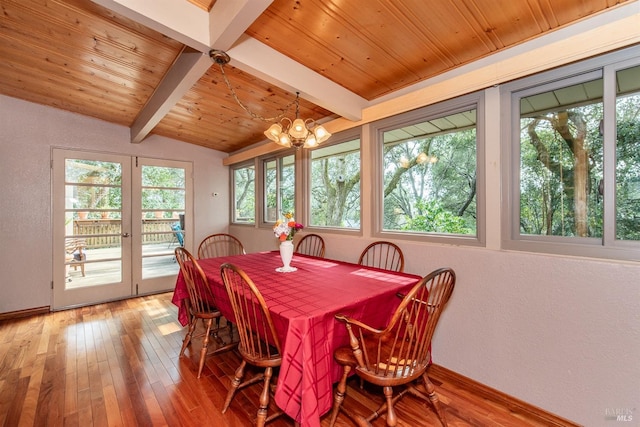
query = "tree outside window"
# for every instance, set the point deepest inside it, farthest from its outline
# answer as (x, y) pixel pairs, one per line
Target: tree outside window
(628, 154)
(163, 191)
(335, 185)
(575, 151)
(561, 162)
(430, 176)
(244, 194)
(279, 185)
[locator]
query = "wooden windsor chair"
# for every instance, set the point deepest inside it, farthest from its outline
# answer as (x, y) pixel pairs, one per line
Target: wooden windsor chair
(220, 244)
(200, 306)
(311, 244)
(399, 354)
(384, 255)
(259, 345)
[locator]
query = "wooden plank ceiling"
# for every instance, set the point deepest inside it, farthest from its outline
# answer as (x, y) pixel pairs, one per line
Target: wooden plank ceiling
(144, 69)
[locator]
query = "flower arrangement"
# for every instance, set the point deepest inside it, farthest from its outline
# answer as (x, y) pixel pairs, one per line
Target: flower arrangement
(286, 228)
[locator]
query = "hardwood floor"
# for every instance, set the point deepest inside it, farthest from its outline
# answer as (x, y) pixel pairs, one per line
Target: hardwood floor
(117, 364)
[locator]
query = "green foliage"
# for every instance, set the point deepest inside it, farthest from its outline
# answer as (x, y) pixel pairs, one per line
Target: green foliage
(430, 183)
(434, 218)
(628, 169)
(245, 197)
(548, 171)
(95, 184)
(279, 186)
(163, 189)
(335, 186)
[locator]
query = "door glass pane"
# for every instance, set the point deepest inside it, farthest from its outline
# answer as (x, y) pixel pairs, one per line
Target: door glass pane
(93, 210)
(628, 154)
(163, 205)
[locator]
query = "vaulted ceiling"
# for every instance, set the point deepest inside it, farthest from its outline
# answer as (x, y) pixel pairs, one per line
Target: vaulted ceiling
(145, 64)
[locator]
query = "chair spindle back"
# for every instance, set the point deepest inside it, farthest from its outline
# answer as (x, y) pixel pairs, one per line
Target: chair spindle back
(384, 255)
(403, 348)
(258, 339)
(221, 244)
(201, 299)
(311, 244)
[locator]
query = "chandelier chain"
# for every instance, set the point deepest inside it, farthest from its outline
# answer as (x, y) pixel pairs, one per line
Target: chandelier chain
(248, 111)
(296, 133)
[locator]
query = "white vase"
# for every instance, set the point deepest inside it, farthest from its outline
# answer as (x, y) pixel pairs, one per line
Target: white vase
(286, 253)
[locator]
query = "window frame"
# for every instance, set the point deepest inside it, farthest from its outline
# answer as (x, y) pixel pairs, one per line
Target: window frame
(607, 247)
(262, 204)
(475, 100)
(306, 181)
(232, 184)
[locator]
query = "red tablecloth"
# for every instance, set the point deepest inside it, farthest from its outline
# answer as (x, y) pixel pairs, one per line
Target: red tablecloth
(303, 304)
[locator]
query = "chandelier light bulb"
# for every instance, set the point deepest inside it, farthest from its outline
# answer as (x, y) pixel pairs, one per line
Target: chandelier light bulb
(295, 134)
(284, 140)
(298, 129)
(274, 131)
(404, 162)
(311, 140)
(321, 134)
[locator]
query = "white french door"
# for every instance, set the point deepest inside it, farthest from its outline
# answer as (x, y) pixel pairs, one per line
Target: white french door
(116, 222)
(162, 220)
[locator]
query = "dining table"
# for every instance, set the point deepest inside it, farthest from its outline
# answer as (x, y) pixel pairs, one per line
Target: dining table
(303, 305)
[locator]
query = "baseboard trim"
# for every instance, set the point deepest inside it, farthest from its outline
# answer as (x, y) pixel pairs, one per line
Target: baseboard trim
(24, 313)
(440, 374)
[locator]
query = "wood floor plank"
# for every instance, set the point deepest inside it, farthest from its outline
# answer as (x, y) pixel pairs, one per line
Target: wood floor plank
(70, 393)
(111, 406)
(85, 410)
(30, 400)
(118, 364)
(13, 398)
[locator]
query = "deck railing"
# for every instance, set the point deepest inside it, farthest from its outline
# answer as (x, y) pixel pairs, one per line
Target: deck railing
(106, 233)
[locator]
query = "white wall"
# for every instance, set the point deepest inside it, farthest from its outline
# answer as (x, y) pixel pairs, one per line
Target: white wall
(27, 134)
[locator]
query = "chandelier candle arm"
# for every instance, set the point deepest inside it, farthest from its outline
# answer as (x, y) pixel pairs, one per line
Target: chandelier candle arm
(297, 133)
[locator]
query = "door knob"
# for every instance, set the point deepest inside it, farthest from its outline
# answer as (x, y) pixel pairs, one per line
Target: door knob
(125, 234)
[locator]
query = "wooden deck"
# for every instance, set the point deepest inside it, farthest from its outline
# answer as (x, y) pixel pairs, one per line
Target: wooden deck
(101, 268)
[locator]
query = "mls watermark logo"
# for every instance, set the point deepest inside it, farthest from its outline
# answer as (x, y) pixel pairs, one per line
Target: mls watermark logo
(619, 414)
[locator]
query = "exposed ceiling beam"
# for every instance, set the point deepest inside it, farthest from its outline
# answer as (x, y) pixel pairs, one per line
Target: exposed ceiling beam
(197, 29)
(222, 28)
(229, 19)
(260, 60)
(181, 77)
(178, 19)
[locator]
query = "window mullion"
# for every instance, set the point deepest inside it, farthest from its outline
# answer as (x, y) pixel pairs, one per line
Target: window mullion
(609, 155)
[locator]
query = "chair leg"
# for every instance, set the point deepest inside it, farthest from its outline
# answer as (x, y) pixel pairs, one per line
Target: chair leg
(392, 418)
(235, 383)
(187, 338)
(338, 397)
(433, 397)
(264, 398)
(205, 345)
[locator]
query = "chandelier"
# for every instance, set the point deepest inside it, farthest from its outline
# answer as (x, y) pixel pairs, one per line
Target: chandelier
(295, 133)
